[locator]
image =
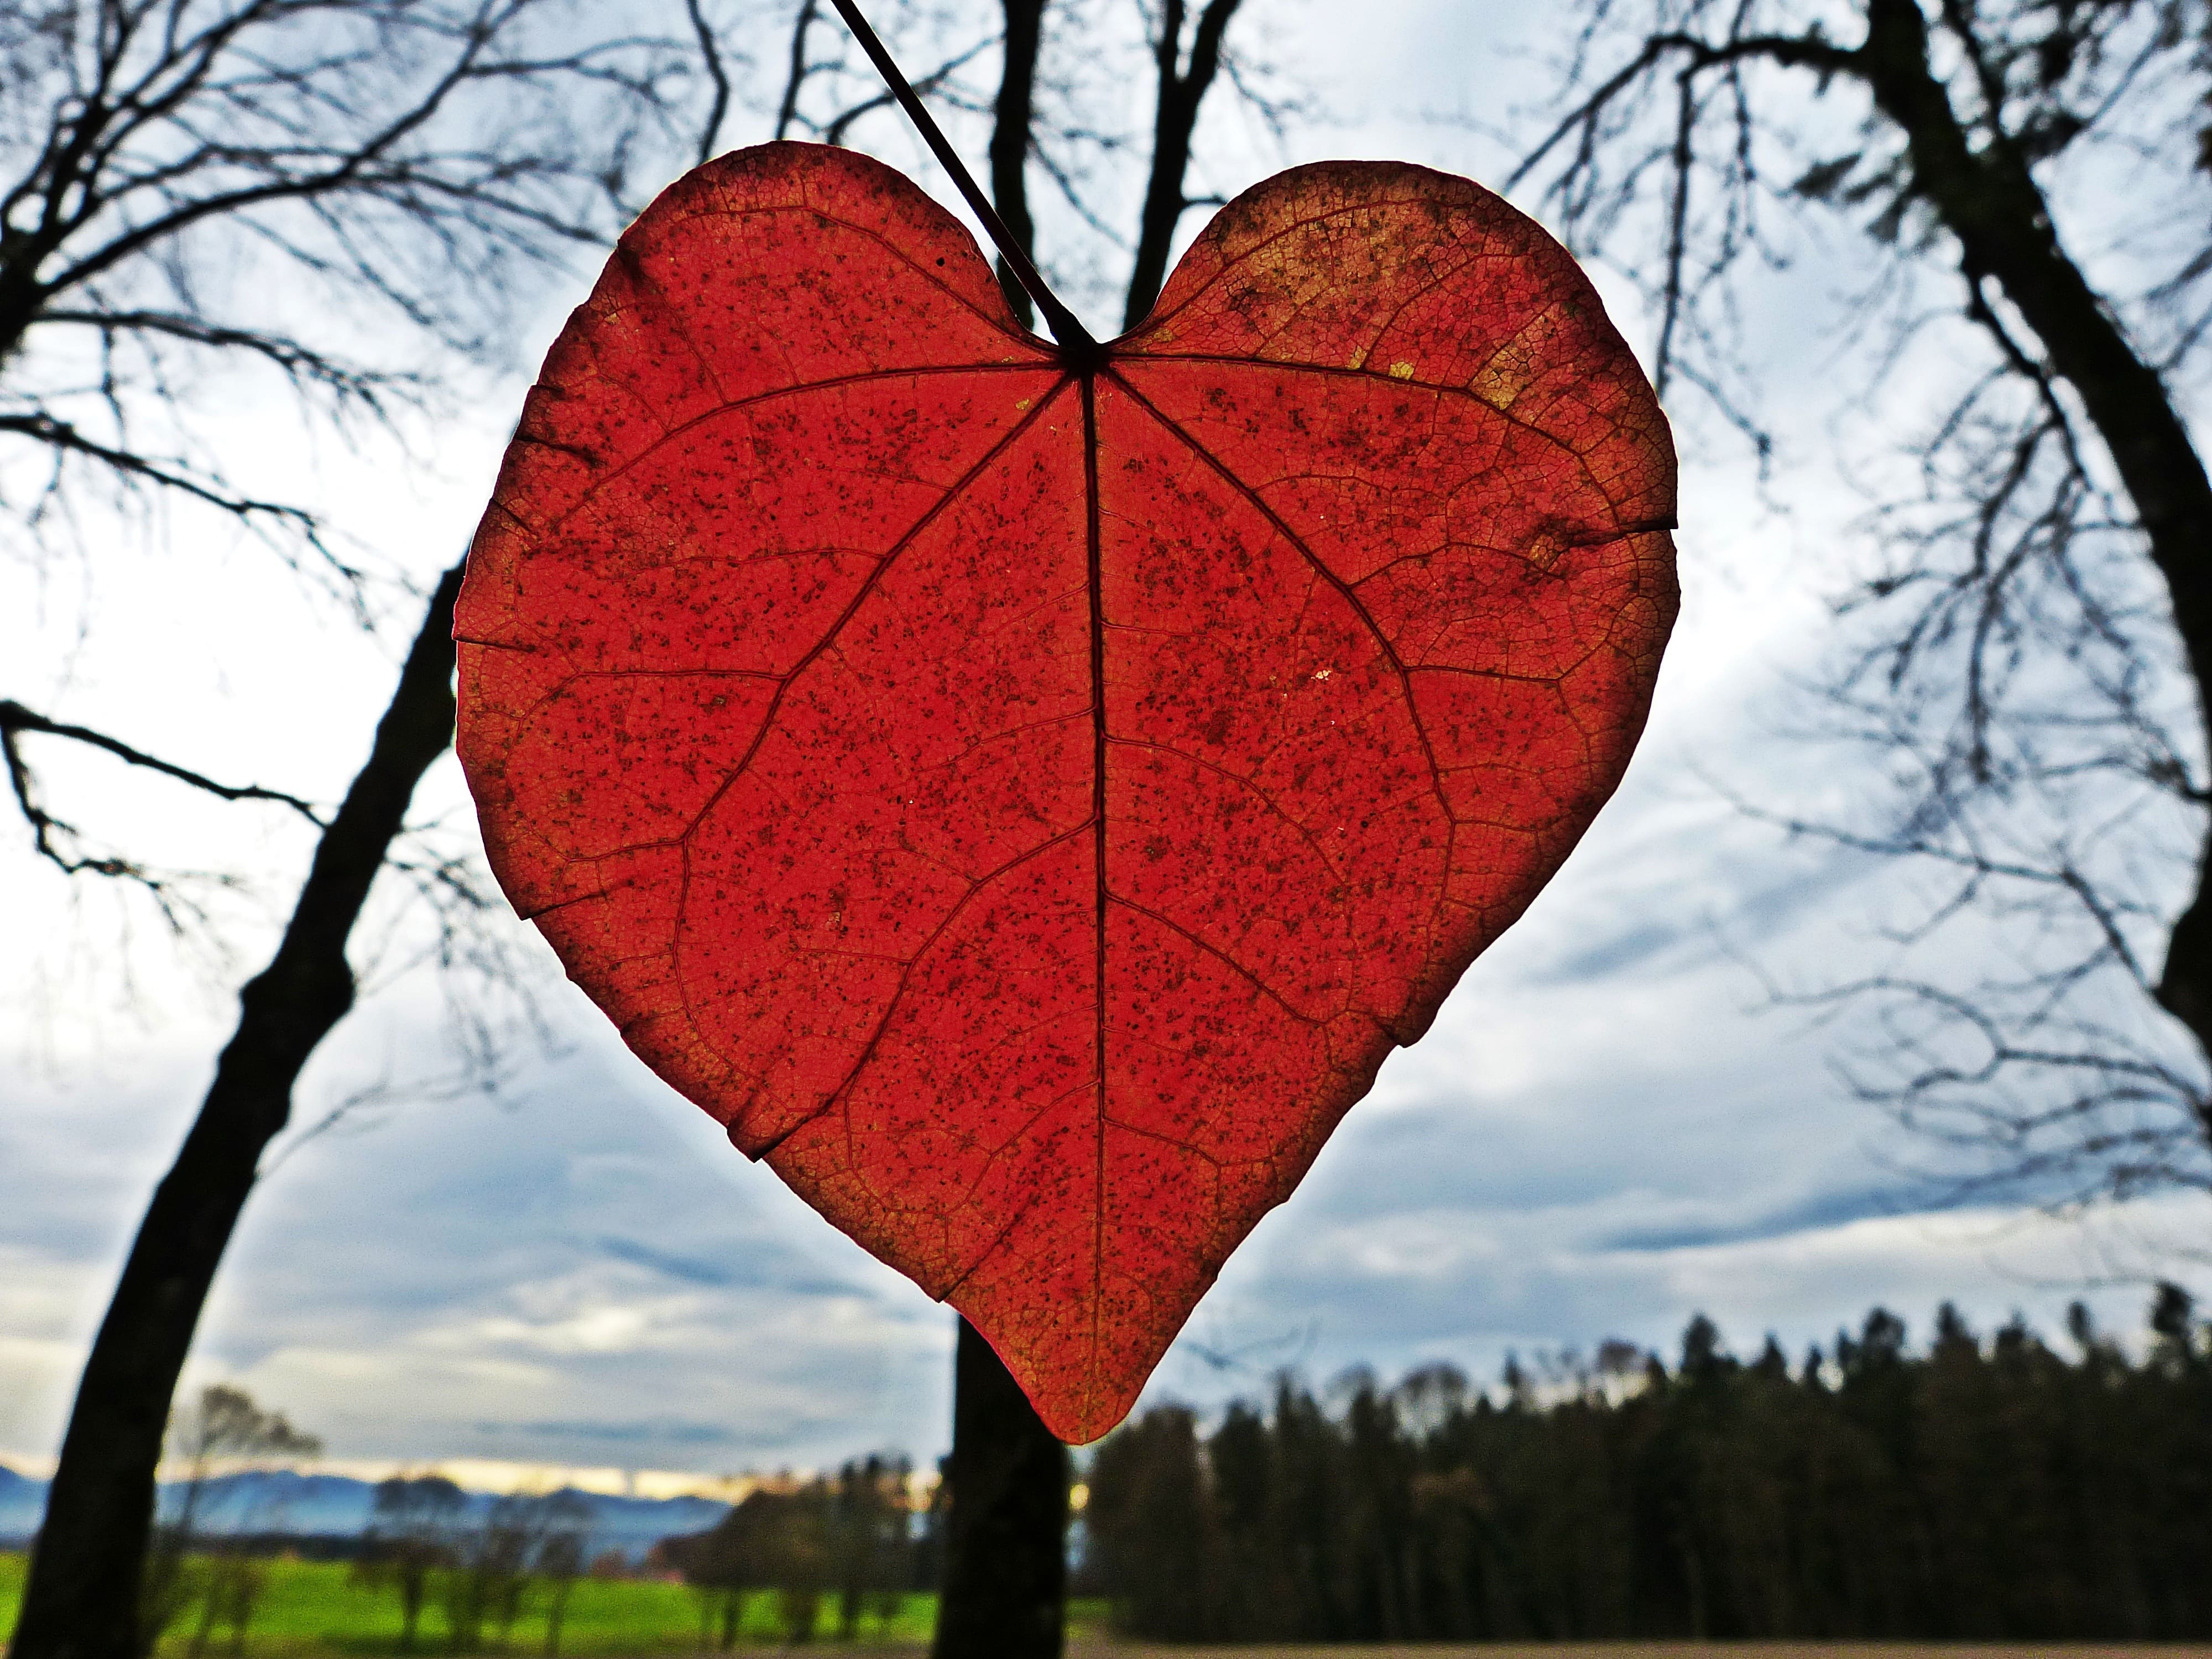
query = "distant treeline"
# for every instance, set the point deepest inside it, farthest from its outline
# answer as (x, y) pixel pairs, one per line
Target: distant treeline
(820, 1553)
(1997, 1489)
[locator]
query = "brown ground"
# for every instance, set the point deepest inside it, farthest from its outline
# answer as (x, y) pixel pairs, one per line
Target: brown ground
(1658, 1651)
(1099, 1649)
(1654, 1650)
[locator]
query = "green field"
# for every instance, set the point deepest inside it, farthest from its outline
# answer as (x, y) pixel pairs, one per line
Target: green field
(312, 1607)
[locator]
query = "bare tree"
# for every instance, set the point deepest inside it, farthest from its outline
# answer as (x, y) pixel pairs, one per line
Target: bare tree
(415, 1530)
(561, 1559)
(191, 189)
(523, 1538)
(225, 1425)
(100, 1504)
(1185, 74)
(1004, 1585)
(344, 196)
(1013, 122)
(398, 162)
(562, 1525)
(2028, 664)
(173, 167)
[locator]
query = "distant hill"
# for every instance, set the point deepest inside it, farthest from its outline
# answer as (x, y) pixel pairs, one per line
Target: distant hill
(21, 1501)
(337, 1506)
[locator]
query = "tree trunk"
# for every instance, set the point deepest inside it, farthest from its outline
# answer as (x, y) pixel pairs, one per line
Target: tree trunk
(1009, 142)
(1989, 201)
(1006, 1565)
(1005, 1573)
(81, 1601)
(1174, 120)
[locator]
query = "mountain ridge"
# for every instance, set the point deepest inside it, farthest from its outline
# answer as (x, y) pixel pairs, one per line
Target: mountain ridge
(339, 1506)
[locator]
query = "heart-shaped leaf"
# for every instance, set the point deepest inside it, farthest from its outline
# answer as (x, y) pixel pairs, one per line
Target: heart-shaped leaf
(1026, 803)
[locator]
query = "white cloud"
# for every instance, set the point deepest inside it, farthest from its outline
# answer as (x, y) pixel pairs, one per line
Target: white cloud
(1599, 1137)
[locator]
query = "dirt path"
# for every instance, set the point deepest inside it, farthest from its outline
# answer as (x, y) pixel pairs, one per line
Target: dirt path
(1095, 1649)
(1658, 1650)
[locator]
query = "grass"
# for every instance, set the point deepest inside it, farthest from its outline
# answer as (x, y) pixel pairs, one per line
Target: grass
(314, 1607)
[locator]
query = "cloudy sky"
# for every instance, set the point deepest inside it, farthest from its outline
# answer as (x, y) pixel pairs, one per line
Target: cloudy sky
(1606, 1130)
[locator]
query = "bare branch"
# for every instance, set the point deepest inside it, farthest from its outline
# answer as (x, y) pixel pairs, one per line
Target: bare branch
(795, 79)
(841, 125)
(15, 719)
(710, 53)
(61, 435)
(415, 152)
(2023, 673)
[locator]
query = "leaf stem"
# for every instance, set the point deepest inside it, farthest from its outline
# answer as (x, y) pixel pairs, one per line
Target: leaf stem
(1076, 343)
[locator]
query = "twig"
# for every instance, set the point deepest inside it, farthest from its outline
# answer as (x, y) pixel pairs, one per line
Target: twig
(15, 720)
(1077, 346)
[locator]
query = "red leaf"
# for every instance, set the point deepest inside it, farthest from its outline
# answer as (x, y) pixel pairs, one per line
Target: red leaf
(1027, 806)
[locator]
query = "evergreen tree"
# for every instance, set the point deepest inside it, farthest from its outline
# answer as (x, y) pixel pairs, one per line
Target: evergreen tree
(1986, 1489)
